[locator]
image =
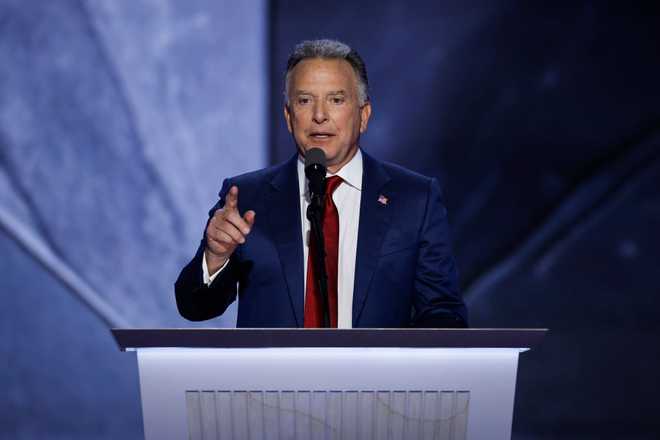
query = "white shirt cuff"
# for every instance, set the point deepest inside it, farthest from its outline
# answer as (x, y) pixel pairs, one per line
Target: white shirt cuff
(208, 279)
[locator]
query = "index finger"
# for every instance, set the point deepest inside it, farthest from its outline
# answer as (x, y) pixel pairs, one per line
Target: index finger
(231, 201)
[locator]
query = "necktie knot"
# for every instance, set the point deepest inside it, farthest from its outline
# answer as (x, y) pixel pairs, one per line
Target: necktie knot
(331, 184)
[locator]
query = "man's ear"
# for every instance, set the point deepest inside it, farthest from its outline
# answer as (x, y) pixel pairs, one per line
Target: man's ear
(365, 114)
(287, 117)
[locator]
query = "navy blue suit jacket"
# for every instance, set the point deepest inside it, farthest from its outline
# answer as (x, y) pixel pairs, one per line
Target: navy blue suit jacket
(405, 273)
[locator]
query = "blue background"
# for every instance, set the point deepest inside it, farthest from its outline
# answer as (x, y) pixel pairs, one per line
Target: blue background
(118, 121)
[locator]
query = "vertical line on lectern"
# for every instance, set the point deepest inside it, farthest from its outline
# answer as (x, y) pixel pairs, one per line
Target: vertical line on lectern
(272, 415)
(405, 415)
(279, 415)
(381, 420)
(263, 415)
(194, 415)
(247, 413)
(398, 409)
(453, 417)
(231, 414)
(287, 412)
(208, 418)
(445, 415)
(429, 414)
(463, 404)
(373, 415)
(302, 405)
(256, 415)
(414, 415)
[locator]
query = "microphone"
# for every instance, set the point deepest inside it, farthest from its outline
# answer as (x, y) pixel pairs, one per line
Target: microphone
(315, 169)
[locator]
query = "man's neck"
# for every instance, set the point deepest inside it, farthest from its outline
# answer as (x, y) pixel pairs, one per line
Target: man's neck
(334, 169)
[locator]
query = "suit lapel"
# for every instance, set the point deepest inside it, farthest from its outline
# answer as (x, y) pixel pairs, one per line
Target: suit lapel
(374, 222)
(284, 216)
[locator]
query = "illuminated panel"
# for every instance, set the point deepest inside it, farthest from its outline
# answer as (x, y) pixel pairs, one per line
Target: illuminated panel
(328, 414)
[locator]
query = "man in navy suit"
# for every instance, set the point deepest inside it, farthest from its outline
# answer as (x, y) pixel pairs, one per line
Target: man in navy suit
(393, 265)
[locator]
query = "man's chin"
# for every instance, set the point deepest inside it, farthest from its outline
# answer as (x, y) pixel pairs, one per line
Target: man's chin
(333, 158)
(322, 147)
(328, 152)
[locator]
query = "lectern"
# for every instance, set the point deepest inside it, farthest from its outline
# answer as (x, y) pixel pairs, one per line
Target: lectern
(327, 383)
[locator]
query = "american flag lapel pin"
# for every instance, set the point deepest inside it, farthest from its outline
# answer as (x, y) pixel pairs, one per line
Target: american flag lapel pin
(383, 200)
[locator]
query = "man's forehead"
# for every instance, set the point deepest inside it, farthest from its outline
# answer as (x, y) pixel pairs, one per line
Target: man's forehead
(333, 74)
(332, 68)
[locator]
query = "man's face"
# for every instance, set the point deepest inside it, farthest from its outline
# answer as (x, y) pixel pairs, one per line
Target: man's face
(324, 109)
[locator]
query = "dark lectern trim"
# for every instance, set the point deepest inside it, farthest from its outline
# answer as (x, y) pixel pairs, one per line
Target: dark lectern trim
(279, 338)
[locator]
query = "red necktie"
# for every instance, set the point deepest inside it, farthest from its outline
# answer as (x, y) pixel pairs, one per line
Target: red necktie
(313, 299)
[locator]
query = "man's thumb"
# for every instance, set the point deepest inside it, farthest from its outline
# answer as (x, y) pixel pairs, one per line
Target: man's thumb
(249, 217)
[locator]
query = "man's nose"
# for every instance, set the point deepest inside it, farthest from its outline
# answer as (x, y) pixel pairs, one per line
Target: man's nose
(320, 113)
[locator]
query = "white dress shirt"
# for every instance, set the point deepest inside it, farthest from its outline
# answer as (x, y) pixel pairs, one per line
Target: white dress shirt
(347, 199)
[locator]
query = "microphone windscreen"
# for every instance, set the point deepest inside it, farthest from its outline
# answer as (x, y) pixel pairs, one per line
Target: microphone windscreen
(315, 171)
(315, 156)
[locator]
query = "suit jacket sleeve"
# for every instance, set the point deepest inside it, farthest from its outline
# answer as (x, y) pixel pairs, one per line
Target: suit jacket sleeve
(436, 301)
(195, 300)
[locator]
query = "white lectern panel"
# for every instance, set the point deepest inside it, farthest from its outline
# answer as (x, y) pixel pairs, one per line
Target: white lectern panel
(327, 393)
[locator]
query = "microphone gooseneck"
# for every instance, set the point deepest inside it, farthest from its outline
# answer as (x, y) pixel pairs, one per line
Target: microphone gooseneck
(315, 170)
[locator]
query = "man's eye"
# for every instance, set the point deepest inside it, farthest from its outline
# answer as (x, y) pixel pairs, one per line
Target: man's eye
(303, 101)
(338, 100)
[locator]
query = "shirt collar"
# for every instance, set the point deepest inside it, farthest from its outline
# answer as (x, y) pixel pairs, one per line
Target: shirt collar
(351, 173)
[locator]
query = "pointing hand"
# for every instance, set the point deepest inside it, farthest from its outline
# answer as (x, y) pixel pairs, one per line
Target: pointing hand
(226, 230)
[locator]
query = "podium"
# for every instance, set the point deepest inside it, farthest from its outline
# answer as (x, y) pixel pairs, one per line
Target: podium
(203, 384)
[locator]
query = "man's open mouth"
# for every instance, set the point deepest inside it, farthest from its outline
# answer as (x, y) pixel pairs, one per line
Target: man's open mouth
(321, 135)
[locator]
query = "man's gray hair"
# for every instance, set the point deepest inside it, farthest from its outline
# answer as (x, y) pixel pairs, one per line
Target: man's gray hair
(329, 49)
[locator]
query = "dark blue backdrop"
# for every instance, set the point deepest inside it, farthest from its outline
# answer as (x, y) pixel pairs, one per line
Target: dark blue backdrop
(118, 121)
(543, 122)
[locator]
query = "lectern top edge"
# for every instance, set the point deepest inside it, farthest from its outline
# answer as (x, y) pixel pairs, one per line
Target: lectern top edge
(359, 338)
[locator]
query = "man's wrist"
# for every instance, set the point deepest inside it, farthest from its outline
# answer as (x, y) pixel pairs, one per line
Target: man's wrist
(210, 267)
(214, 262)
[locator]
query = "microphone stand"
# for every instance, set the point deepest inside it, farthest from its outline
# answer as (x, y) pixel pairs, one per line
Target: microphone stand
(315, 216)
